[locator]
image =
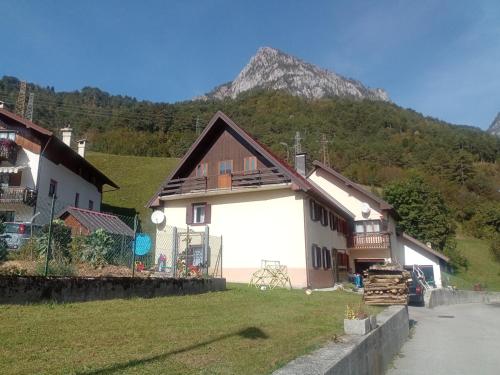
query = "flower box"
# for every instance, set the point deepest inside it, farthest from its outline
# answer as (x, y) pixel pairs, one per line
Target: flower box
(357, 326)
(8, 150)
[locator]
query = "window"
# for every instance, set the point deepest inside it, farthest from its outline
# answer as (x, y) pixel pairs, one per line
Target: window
(8, 135)
(202, 170)
(333, 221)
(324, 216)
(250, 164)
(367, 226)
(315, 210)
(52, 188)
(4, 179)
(225, 167)
(342, 260)
(6, 216)
(198, 213)
(327, 259)
(91, 205)
(316, 256)
(77, 199)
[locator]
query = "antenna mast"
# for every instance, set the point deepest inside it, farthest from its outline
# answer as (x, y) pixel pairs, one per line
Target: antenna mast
(21, 99)
(297, 146)
(324, 150)
(29, 109)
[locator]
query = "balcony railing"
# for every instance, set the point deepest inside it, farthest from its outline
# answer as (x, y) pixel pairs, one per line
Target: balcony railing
(24, 195)
(267, 176)
(369, 241)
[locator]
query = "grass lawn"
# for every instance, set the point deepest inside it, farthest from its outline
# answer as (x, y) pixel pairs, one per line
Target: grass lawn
(482, 266)
(138, 177)
(238, 331)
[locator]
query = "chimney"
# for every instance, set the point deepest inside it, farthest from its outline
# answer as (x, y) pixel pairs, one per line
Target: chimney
(300, 163)
(66, 135)
(81, 147)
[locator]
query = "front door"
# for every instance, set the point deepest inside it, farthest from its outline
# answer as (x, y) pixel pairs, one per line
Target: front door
(224, 177)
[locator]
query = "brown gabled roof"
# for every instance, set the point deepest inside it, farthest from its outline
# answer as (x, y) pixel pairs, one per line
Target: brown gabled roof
(382, 203)
(94, 220)
(425, 247)
(299, 181)
(59, 152)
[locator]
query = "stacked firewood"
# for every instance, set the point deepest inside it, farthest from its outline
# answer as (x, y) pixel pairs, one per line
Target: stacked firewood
(386, 284)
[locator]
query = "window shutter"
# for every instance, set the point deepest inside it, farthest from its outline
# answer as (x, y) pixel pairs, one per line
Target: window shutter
(208, 213)
(189, 214)
(15, 179)
(311, 209)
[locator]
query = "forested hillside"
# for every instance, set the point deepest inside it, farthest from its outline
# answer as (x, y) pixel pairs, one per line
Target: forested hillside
(373, 142)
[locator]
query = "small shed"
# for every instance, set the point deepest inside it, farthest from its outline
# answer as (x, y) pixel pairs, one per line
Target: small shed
(84, 222)
(427, 259)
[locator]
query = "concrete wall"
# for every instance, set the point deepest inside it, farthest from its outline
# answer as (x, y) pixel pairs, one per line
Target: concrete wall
(20, 290)
(369, 354)
(256, 224)
(68, 184)
(323, 236)
(438, 297)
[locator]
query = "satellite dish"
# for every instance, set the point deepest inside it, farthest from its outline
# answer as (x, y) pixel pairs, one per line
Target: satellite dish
(157, 217)
(365, 209)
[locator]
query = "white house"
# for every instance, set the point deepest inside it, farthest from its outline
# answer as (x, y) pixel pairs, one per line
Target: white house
(261, 206)
(321, 226)
(35, 165)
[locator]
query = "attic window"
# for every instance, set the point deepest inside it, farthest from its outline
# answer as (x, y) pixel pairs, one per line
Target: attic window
(8, 135)
(202, 170)
(250, 164)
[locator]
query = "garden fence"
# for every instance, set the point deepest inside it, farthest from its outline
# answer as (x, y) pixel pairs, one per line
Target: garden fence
(85, 242)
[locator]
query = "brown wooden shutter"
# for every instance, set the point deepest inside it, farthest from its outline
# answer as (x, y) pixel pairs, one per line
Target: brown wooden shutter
(189, 214)
(208, 213)
(15, 179)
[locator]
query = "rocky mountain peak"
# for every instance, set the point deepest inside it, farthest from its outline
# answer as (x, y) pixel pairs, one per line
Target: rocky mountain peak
(272, 69)
(495, 126)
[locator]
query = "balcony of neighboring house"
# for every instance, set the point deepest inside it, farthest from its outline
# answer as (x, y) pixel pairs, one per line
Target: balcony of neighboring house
(17, 194)
(369, 234)
(226, 180)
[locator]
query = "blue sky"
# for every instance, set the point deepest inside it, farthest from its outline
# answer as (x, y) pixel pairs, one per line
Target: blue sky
(441, 58)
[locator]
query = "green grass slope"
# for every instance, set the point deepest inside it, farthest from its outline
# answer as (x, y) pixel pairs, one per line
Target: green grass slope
(483, 269)
(138, 177)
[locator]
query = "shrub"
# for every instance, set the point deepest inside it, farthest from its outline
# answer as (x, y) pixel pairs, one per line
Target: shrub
(13, 271)
(495, 247)
(97, 248)
(61, 240)
(55, 269)
(29, 250)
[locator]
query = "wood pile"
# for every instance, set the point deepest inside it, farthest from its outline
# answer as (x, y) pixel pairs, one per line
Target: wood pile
(386, 284)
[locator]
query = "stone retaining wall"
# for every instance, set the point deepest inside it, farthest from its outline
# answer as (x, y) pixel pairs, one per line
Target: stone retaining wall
(369, 354)
(32, 289)
(443, 296)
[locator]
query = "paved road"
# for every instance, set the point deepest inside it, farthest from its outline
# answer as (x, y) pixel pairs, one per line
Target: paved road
(458, 339)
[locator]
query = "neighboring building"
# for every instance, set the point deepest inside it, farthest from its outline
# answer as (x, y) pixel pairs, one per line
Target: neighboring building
(261, 207)
(375, 238)
(35, 164)
(84, 222)
(428, 260)
(321, 227)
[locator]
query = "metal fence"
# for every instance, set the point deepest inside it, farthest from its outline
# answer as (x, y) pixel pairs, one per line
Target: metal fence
(86, 242)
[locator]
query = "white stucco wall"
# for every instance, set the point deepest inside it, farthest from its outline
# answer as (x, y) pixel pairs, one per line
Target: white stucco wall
(322, 236)
(256, 225)
(416, 256)
(68, 184)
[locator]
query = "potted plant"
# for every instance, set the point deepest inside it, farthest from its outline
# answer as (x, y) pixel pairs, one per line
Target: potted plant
(357, 321)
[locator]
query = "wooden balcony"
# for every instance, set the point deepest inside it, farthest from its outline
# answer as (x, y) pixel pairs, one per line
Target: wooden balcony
(268, 176)
(369, 241)
(15, 194)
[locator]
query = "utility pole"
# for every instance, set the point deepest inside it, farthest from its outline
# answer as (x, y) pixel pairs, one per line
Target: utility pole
(297, 146)
(29, 109)
(324, 150)
(21, 99)
(197, 125)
